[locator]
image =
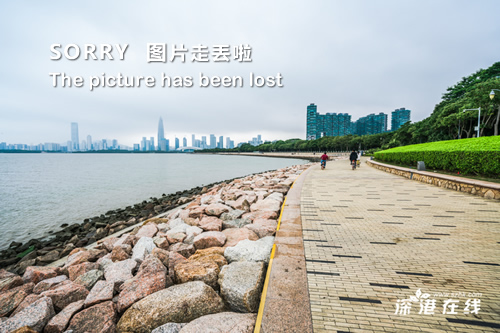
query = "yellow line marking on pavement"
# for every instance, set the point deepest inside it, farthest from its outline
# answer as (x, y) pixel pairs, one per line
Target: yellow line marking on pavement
(258, 323)
(281, 213)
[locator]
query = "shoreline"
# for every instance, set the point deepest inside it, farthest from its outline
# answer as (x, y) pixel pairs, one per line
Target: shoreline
(18, 255)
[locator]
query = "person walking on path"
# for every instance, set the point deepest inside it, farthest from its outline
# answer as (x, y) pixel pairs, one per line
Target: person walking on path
(358, 160)
(324, 158)
(353, 157)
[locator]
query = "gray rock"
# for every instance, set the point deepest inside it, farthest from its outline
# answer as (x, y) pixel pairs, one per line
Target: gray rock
(180, 227)
(248, 250)
(101, 292)
(232, 215)
(169, 328)
(179, 303)
(120, 271)
(175, 222)
(191, 233)
(60, 321)
(35, 316)
(238, 223)
(143, 247)
(241, 285)
(224, 322)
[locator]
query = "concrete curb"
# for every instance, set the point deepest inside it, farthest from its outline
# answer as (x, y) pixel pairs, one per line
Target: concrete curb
(286, 298)
(481, 188)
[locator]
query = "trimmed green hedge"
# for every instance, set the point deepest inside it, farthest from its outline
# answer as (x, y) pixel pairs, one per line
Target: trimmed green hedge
(479, 156)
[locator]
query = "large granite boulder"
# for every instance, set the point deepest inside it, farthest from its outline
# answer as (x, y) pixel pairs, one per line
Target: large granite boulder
(169, 328)
(9, 280)
(36, 274)
(247, 250)
(78, 257)
(216, 209)
(35, 316)
(120, 271)
(224, 322)
(206, 271)
(66, 294)
(150, 278)
(59, 322)
(142, 248)
(235, 235)
(98, 318)
(89, 279)
(209, 239)
(191, 233)
(263, 227)
(121, 252)
(10, 299)
(232, 215)
(101, 292)
(183, 249)
(75, 271)
(179, 303)
(237, 223)
(45, 285)
(148, 230)
(211, 223)
(241, 285)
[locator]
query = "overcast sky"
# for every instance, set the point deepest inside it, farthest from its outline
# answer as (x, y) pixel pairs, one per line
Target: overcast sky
(358, 57)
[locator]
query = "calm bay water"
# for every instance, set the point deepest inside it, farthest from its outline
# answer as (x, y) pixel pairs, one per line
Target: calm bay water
(39, 192)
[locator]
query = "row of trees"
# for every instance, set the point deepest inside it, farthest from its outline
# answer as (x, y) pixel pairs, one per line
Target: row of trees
(448, 121)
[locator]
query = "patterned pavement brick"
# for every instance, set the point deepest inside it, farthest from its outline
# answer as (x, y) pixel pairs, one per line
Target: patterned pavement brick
(372, 238)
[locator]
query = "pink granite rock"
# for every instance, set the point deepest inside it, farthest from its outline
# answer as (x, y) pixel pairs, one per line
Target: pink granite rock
(162, 255)
(98, 318)
(75, 271)
(36, 316)
(176, 237)
(119, 253)
(216, 209)
(108, 243)
(184, 250)
(223, 322)
(268, 215)
(46, 284)
(196, 212)
(101, 292)
(78, 258)
(9, 280)
(36, 274)
(173, 260)
(125, 239)
(161, 242)
(206, 271)
(235, 235)
(27, 301)
(211, 223)
(66, 294)
(209, 239)
(59, 322)
(263, 227)
(10, 299)
(148, 230)
(150, 278)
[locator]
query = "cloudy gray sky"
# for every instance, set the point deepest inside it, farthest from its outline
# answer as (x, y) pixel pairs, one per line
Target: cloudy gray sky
(358, 57)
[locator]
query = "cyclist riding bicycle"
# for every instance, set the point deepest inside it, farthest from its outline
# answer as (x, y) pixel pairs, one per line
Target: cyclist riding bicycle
(324, 158)
(353, 158)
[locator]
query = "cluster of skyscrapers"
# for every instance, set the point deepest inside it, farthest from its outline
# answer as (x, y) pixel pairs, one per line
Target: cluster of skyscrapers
(339, 124)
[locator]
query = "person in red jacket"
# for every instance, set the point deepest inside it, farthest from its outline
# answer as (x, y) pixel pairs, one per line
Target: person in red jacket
(324, 158)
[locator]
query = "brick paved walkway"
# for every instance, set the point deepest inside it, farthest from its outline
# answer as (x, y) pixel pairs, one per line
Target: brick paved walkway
(373, 238)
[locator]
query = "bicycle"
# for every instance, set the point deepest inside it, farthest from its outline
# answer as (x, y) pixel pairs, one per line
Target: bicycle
(353, 163)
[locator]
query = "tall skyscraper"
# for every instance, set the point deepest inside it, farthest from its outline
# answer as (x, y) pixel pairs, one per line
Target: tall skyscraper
(151, 143)
(161, 133)
(143, 144)
(220, 145)
(213, 141)
(184, 142)
(176, 143)
(330, 124)
(89, 142)
(75, 146)
(399, 117)
(204, 142)
(193, 140)
(311, 122)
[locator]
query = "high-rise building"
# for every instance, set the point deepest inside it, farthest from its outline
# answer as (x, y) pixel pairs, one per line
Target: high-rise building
(176, 143)
(213, 141)
(311, 122)
(220, 144)
(399, 117)
(143, 143)
(161, 133)
(89, 142)
(204, 142)
(371, 124)
(330, 124)
(75, 146)
(193, 140)
(151, 143)
(184, 142)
